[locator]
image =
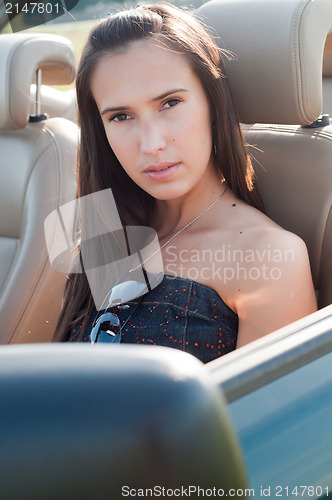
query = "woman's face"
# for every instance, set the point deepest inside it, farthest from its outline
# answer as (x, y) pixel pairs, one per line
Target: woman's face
(156, 118)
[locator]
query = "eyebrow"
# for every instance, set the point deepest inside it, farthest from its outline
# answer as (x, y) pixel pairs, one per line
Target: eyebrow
(158, 98)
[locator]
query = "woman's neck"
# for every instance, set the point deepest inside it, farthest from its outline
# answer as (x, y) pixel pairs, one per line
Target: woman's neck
(173, 215)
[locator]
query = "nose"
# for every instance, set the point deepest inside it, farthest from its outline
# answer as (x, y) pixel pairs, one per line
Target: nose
(152, 138)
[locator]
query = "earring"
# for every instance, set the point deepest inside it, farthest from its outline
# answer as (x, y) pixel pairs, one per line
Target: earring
(214, 140)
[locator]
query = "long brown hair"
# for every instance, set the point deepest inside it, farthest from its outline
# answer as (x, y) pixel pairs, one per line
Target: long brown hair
(98, 167)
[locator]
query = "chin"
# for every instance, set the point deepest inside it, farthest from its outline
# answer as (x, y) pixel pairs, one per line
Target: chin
(167, 195)
(167, 192)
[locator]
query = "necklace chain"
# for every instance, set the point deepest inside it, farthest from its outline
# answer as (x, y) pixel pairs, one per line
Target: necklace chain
(180, 231)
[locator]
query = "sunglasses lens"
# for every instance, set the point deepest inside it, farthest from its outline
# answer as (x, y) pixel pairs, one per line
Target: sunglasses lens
(107, 329)
(108, 337)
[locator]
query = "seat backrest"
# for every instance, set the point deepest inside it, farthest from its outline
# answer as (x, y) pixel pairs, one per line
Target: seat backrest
(37, 175)
(276, 82)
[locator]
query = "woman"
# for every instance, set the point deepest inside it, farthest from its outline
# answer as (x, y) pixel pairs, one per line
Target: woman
(159, 128)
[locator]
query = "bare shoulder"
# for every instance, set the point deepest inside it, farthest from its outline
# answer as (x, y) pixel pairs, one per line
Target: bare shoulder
(264, 263)
(261, 233)
(251, 229)
(281, 255)
(272, 283)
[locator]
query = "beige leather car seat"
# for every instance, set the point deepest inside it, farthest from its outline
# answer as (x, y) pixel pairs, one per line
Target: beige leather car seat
(37, 175)
(55, 102)
(276, 81)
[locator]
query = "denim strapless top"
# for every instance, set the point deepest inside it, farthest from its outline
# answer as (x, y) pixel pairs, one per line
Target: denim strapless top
(178, 313)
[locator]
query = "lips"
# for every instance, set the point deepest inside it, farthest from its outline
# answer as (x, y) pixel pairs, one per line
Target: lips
(159, 167)
(162, 171)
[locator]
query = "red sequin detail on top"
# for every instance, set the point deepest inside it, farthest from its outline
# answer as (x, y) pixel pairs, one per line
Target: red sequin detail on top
(191, 317)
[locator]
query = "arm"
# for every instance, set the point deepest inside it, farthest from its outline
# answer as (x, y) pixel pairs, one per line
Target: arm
(279, 298)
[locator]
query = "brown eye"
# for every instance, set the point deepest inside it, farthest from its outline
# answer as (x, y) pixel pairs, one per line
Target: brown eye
(120, 117)
(170, 103)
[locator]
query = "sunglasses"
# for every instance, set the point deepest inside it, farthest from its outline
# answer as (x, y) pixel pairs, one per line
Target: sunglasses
(106, 329)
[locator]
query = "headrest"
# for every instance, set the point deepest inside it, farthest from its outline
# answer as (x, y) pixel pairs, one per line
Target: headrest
(20, 56)
(55, 102)
(276, 75)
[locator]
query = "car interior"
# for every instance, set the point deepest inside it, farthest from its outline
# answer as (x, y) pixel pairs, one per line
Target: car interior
(277, 89)
(38, 157)
(101, 396)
